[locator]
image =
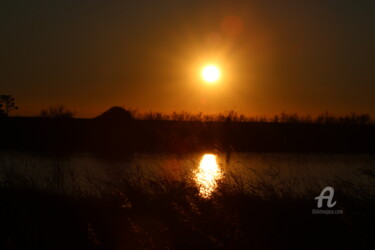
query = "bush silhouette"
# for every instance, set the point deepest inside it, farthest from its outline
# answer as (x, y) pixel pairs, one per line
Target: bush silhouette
(57, 112)
(116, 113)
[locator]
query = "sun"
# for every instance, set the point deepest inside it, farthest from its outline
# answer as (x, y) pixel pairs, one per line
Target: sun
(211, 73)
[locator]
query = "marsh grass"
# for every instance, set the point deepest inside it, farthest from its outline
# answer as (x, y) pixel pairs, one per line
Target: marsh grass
(284, 117)
(139, 209)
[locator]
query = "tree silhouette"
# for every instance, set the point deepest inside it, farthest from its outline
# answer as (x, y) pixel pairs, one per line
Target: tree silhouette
(7, 104)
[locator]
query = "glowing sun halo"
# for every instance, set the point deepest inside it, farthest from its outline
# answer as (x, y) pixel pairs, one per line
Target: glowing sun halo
(211, 73)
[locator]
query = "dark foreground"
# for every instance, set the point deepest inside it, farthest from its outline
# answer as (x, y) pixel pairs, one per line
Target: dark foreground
(172, 215)
(118, 136)
(132, 212)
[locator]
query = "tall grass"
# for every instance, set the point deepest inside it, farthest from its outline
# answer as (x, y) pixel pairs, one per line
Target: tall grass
(323, 118)
(133, 209)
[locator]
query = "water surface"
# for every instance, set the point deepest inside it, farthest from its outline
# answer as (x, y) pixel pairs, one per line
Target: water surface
(207, 171)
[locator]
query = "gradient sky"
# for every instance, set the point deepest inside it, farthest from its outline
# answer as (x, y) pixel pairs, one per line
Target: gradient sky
(290, 55)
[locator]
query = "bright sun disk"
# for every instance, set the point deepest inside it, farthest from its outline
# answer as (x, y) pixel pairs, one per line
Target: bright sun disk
(211, 73)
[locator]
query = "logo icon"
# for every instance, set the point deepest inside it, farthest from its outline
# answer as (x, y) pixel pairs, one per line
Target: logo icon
(328, 197)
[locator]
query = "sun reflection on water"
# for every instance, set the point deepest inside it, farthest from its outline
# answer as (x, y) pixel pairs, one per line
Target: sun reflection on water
(207, 175)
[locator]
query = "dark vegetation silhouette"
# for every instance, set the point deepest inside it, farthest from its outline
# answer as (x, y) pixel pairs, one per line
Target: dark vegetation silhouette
(7, 104)
(125, 131)
(59, 112)
(136, 211)
(323, 118)
(116, 114)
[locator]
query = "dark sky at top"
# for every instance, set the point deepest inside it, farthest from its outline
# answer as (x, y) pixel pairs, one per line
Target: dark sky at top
(294, 56)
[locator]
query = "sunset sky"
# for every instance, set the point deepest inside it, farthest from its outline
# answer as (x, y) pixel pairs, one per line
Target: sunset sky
(274, 56)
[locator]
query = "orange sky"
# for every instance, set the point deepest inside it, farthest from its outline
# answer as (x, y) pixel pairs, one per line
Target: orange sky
(293, 56)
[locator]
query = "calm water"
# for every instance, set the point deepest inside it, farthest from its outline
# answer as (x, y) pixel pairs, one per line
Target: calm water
(295, 172)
